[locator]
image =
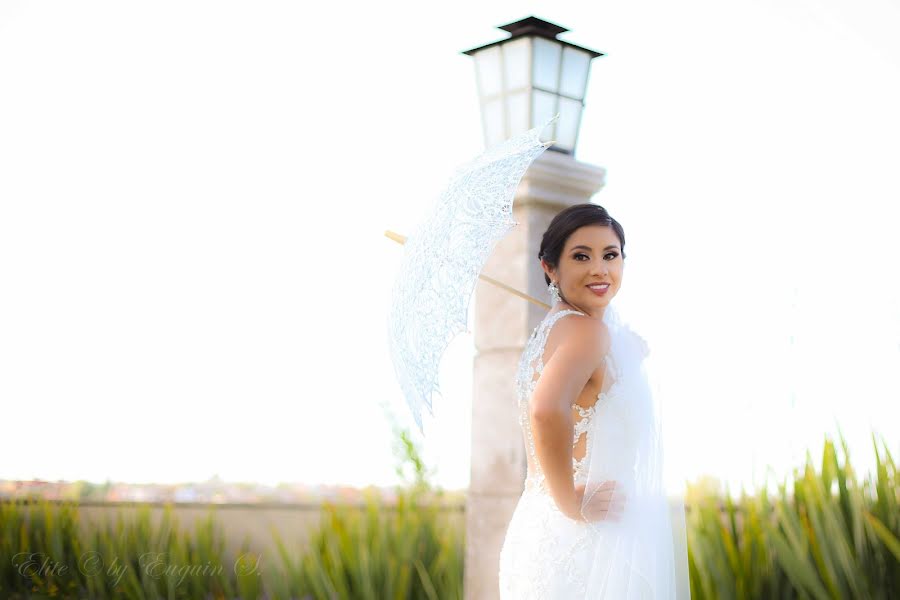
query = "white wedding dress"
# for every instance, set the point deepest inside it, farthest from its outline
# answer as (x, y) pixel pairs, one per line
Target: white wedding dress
(547, 555)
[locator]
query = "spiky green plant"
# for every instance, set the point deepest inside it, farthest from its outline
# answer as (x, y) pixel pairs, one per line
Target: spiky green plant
(832, 537)
(378, 552)
(46, 555)
(408, 550)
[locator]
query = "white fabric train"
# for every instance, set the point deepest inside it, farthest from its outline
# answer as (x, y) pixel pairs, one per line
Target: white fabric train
(643, 555)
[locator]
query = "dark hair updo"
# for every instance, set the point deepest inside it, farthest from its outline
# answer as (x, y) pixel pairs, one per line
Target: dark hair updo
(566, 222)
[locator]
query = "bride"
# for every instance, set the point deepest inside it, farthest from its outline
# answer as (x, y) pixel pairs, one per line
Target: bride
(593, 520)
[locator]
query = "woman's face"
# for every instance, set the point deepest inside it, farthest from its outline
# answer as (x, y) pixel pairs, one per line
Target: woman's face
(592, 255)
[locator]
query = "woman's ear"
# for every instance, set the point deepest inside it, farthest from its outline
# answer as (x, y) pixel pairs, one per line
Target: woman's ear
(548, 270)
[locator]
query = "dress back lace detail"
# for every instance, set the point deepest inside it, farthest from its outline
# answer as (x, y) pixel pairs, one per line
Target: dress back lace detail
(530, 368)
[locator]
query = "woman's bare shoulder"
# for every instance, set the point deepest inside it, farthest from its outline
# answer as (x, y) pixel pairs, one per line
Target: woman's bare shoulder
(580, 334)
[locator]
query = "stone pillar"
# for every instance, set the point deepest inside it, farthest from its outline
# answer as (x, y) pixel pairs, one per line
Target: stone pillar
(503, 323)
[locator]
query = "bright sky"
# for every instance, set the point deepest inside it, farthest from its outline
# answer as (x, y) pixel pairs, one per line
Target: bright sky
(193, 273)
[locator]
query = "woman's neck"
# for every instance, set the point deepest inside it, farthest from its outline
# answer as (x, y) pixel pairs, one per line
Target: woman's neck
(597, 314)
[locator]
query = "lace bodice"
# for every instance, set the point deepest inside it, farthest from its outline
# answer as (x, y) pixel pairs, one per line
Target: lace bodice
(531, 365)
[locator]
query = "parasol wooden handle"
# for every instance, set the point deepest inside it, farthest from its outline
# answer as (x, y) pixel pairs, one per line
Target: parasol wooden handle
(401, 239)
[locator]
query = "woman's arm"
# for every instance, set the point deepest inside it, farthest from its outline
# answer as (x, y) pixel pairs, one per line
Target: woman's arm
(570, 367)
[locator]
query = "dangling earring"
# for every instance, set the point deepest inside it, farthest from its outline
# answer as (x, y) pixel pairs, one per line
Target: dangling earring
(554, 292)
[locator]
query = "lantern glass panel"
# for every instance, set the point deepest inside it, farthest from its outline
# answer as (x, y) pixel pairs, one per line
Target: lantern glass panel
(487, 65)
(567, 126)
(516, 63)
(544, 107)
(517, 110)
(575, 66)
(546, 64)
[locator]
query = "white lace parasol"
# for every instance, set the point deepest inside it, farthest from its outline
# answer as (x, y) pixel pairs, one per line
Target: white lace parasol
(443, 258)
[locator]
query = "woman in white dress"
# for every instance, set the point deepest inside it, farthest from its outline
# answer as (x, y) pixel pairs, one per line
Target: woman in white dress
(593, 520)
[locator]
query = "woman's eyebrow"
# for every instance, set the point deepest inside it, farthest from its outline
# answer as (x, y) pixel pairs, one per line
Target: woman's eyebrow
(589, 248)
